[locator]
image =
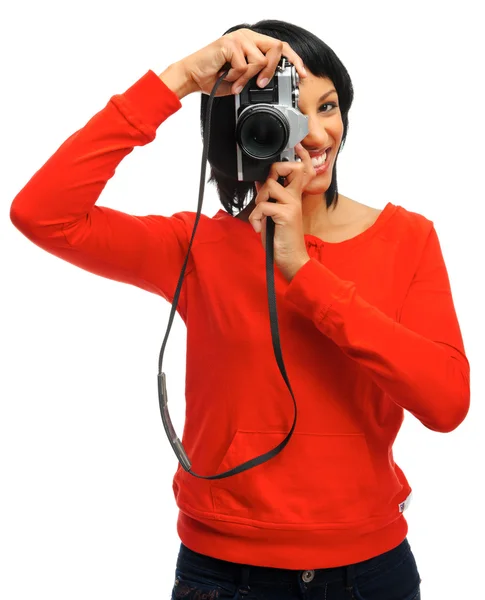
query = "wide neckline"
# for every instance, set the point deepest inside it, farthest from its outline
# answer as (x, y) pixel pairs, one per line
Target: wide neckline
(387, 212)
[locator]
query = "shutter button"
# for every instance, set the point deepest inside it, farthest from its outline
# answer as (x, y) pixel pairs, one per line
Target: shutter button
(308, 576)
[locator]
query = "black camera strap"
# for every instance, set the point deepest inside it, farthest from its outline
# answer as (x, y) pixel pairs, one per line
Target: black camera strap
(162, 384)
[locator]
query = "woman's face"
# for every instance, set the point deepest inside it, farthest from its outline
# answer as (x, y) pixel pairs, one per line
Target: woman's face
(319, 102)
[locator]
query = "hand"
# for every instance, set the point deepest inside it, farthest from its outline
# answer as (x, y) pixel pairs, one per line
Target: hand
(248, 52)
(290, 251)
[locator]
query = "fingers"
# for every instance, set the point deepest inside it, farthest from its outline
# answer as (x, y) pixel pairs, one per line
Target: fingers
(306, 160)
(279, 48)
(294, 59)
(283, 195)
(234, 54)
(255, 61)
(289, 170)
(251, 53)
(297, 175)
(273, 55)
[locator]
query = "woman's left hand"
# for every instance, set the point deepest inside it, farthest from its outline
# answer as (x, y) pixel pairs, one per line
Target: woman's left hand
(290, 251)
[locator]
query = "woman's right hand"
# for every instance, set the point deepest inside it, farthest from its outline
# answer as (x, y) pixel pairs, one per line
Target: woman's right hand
(248, 53)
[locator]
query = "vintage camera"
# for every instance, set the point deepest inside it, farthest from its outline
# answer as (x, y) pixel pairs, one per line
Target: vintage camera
(268, 123)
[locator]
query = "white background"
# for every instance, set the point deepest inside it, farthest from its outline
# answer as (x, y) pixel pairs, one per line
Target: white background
(86, 504)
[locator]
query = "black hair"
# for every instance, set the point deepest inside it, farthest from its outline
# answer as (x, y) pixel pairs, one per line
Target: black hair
(321, 61)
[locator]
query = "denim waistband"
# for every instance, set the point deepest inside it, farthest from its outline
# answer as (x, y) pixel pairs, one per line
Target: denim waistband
(250, 574)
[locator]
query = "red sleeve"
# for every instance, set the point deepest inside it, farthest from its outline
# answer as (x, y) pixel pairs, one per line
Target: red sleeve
(419, 361)
(56, 208)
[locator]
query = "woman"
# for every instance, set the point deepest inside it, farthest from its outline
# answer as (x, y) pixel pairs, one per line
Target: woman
(365, 314)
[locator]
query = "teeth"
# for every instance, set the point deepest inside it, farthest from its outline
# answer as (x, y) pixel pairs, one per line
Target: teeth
(317, 161)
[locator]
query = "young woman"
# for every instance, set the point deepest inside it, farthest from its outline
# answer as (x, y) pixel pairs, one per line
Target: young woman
(366, 320)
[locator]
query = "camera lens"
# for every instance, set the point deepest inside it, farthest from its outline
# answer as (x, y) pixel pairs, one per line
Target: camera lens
(262, 132)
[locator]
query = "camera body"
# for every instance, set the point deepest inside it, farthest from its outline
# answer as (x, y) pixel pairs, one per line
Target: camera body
(268, 123)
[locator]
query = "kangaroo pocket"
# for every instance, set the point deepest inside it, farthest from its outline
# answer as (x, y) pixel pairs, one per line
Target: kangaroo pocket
(317, 478)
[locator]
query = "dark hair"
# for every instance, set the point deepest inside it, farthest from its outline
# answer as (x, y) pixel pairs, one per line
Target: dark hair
(321, 61)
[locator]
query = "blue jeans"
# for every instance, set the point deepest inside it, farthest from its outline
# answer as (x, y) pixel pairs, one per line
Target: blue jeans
(389, 576)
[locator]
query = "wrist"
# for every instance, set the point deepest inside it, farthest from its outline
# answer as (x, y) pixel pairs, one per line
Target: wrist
(292, 270)
(176, 79)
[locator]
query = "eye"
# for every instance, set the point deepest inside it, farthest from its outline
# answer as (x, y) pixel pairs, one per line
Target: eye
(331, 104)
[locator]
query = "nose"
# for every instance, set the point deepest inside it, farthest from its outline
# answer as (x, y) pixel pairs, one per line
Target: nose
(317, 136)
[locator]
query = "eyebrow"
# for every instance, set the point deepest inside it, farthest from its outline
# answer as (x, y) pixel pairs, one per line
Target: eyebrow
(325, 95)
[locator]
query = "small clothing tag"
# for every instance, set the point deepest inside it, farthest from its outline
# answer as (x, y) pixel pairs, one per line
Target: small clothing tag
(404, 505)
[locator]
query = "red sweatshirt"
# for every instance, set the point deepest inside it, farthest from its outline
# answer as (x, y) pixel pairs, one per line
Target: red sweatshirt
(368, 329)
